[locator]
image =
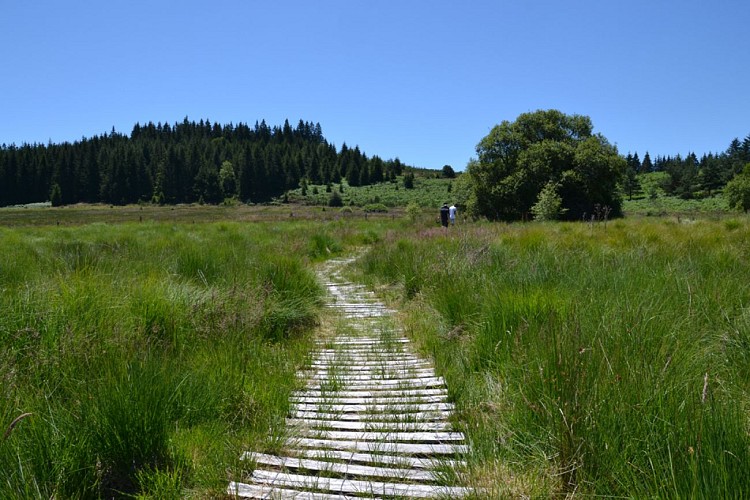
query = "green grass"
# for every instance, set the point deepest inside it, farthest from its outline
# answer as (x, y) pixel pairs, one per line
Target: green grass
(665, 205)
(589, 358)
(602, 360)
(150, 355)
(427, 192)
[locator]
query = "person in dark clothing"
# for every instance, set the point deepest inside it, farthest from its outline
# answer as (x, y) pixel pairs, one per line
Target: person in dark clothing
(444, 210)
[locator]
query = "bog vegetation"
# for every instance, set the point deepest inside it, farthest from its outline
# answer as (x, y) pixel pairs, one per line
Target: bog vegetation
(607, 360)
(143, 358)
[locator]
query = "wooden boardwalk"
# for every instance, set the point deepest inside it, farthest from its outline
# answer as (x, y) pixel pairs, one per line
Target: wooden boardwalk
(372, 421)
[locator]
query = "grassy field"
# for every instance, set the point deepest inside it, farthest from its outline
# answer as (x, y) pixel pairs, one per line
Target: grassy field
(428, 192)
(590, 360)
(144, 348)
(143, 357)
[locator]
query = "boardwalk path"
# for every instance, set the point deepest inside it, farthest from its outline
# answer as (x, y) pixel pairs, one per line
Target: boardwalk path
(372, 421)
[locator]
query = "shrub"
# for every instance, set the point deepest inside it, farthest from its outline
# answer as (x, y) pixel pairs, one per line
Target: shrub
(549, 204)
(335, 200)
(376, 207)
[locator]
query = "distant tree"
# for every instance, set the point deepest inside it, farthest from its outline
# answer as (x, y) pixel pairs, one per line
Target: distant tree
(549, 204)
(227, 179)
(682, 179)
(335, 200)
(631, 183)
(516, 160)
(55, 196)
(207, 186)
(409, 180)
(737, 190)
(448, 172)
(646, 165)
(710, 174)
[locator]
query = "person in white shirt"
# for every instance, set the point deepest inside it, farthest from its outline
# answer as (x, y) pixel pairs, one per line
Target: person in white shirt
(452, 214)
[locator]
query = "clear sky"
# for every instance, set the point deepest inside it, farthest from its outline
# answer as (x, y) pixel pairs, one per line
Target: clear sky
(415, 79)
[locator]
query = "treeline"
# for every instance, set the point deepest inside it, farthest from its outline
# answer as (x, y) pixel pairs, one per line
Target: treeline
(689, 176)
(184, 163)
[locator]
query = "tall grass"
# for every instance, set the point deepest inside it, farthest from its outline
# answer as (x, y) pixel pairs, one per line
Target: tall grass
(588, 359)
(149, 356)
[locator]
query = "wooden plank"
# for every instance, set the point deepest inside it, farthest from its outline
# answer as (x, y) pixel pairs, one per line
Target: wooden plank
(355, 364)
(265, 491)
(395, 374)
(363, 341)
(405, 461)
(380, 447)
(364, 352)
(348, 469)
(374, 367)
(355, 425)
(373, 417)
(354, 486)
(368, 400)
(441, 391)
(366, 385)
(374, 408)
(392, 436)
(362, 357)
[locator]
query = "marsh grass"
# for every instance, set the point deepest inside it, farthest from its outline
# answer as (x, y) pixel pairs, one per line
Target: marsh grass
(612, 359)
(151, 355)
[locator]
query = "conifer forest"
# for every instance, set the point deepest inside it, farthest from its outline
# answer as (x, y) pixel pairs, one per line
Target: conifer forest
(184, 163)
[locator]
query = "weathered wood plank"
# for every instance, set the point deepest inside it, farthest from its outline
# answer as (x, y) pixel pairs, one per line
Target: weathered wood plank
(436, 415)
(374, 408)
(440, 391)
(404, 461)
(390, 374)
(359, 487)
(369, 385)
(368, 400)
(265, 491)
(380, 447)
(348, 469)
(355, 425)
(423, 437)
(370, 365)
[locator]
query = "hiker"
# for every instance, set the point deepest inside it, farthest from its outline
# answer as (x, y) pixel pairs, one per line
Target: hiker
(452, 214)
(444, 210)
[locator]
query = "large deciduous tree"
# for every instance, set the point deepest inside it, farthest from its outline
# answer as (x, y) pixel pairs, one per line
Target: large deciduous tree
(517, 159)
(737, 190)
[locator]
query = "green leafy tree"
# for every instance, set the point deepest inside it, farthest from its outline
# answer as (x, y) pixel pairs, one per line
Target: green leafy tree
(448, 172)
(737, 190)
(207, 186)
(227, 179)
(549, 204)
(516, 160)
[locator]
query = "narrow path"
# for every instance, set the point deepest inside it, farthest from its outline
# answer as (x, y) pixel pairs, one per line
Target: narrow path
(372, 421)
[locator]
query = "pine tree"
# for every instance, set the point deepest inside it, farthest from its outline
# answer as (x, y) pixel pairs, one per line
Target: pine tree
(646, 165)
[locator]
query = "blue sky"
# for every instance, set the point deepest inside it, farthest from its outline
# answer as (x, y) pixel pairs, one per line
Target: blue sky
(420, 80)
